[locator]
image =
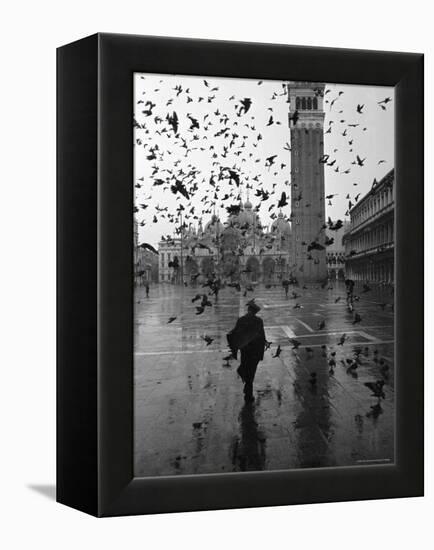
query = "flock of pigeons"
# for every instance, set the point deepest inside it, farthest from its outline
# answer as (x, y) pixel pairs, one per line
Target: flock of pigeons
(205, 158)
(230, 139)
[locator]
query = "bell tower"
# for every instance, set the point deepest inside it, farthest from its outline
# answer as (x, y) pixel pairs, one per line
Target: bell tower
(306, 123)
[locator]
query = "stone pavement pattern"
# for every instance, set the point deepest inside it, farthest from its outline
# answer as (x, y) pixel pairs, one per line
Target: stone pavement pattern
(190, 416)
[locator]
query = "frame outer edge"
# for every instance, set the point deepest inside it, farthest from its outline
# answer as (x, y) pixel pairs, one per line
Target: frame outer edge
(120, 493)
(76, 446)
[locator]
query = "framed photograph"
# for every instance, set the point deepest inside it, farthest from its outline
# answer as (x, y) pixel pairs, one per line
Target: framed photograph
(240, 267)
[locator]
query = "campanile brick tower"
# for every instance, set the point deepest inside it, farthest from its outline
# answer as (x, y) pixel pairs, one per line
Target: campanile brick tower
(306, 122)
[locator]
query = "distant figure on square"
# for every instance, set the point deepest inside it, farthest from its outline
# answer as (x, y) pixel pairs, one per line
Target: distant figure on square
(248, 336)
(215, 286)
(285, 284)
(349, 284)
(147, 289)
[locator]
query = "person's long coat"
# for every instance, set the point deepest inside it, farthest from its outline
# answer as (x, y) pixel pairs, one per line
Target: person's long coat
(248, 336)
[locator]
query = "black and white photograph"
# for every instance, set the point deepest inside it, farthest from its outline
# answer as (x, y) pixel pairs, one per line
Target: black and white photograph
(218, 233)
(264, 233)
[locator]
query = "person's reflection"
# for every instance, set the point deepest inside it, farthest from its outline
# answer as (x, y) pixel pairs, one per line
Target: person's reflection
(248, 449)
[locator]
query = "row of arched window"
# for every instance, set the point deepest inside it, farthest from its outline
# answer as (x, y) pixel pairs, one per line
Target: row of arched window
(306, 103)
(376, 202)
(380, 235)
(334, 259)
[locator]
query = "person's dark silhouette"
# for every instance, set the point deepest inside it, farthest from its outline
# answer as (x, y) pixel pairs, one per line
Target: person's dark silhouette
(215, 287)
(349, 284)
(248, 336)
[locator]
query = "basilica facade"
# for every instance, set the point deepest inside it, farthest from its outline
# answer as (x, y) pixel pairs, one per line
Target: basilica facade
(240, 249)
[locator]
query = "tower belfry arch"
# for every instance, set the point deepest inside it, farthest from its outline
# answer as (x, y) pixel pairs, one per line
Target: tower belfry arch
(306, 123)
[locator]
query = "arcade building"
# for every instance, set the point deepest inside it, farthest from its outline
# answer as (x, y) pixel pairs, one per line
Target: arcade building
(369, 241)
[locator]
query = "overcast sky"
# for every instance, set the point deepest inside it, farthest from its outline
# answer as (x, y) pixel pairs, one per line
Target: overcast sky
(199, 149)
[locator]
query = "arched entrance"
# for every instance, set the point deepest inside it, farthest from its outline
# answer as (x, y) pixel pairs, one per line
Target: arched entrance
(268, 270)
(207, 267)
(253, 268)
(231, 268)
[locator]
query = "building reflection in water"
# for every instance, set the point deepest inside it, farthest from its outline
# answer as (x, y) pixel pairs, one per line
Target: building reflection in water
(248, 448)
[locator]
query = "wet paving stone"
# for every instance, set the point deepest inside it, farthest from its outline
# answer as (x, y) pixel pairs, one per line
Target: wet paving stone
(190, 416)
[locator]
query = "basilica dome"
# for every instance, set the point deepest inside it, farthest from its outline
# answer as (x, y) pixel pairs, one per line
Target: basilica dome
(214, 226)
(247, 216)
(281, 225)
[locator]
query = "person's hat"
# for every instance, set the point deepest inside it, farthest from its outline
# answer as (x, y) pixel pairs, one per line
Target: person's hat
(252, 305)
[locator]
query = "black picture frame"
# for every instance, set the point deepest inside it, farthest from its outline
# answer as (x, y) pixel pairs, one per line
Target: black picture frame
(95, 274)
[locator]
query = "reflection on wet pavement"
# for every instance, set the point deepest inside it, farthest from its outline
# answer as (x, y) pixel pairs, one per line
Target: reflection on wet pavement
(248, 448)
(190, 416)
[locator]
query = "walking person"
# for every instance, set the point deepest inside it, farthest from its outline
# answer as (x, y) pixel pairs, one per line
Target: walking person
(215, 285)
(147, 289)
(349, 284)
(248, 336)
